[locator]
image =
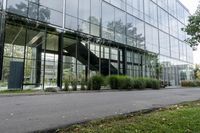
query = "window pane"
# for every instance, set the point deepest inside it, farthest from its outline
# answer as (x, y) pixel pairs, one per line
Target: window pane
(108, 21)
(33, 10)
(164, 44)
(84, 10)
(135, 7)
(150, 12)
(151, 38)
(163, 20)
(53, 4)
(71, 22)
(50, 16)
(72, 7)
(95, 11)
(120, 26)
(1, 4)
(17, 7)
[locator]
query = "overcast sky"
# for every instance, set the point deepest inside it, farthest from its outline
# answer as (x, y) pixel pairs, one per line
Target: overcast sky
(192, 6)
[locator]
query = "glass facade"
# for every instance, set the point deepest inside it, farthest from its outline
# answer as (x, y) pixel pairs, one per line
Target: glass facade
(75, 39)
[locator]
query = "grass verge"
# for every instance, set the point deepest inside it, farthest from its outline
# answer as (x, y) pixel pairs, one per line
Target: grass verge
(183, 118)
(17, 91)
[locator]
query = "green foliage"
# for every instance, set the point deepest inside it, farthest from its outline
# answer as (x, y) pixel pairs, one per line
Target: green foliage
(155, 84)
(113, 81)
(127, 83)
(193, 29)
(66, 87)
(18, 91)
(197, 72)
(50, 89)
(190, 83)
(83, 85)
(148, 82)
(74, 85)
(139, 83)
(95, 82)
(121, 82)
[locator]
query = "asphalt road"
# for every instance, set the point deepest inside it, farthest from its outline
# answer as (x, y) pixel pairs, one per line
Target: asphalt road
(21, 114)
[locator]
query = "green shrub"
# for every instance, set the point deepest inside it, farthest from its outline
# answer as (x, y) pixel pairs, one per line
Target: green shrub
(95, 82)
(155, 84)
(74, 85)
(124, 83)
(83, 84)
(127, 83)
(113, 82)
(198, 83)
(148, 82)
(139, 83)
(120, 82)
(188, 83)
(184, 83)
(50, 89)
(66, 87)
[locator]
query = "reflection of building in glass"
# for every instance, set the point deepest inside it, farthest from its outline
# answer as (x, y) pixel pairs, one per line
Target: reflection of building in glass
(75, 39)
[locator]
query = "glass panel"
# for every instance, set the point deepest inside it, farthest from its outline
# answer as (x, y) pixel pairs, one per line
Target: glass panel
(119, 3)
(71, 22)
(173, 23)
(174, 48)
(1, 4)
(172, 7)
(95, 11)
(34, 58)
(50, 16)
(163, 20)
(120, 26)
(180, 12)
(14, 47)
(163, 4)
(108, 21)
(151, 38)
(72, 7)
(84, 26)
(84, 10)
(164, 44)
(135, 7)
(95, 30)
(151, 12)
(33, 10)
(19, 7)
(53, 4)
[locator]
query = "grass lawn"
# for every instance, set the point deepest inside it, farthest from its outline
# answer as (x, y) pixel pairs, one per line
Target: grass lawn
(17, 91)
(183, 118)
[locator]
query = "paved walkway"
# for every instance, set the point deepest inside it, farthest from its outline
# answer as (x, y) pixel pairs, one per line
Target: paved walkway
(32, 113)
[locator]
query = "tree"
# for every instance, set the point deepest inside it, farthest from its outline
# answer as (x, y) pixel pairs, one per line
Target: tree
(193, 29)
(197, 72)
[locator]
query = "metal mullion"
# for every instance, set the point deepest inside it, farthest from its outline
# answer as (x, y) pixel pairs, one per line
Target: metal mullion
(45, 46)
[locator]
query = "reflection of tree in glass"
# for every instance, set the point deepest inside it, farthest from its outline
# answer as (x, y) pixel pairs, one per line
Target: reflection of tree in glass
(120, 28)
(85, 25)
(94, 20)
(31, 10)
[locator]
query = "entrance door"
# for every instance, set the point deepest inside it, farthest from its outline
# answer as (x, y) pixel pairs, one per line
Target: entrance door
(16, 75)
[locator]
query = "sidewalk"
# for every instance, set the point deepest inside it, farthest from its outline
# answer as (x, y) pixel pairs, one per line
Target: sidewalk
(20, 114)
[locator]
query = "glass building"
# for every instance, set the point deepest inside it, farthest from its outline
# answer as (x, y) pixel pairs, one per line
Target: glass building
(45, 42)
